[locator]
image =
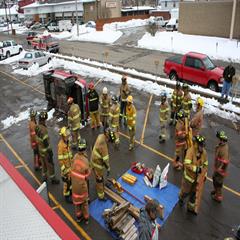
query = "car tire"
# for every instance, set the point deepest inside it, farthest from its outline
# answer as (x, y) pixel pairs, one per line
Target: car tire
(20, 50)
(173, 76)
(49, 60)
(212, 85)
(8, 54)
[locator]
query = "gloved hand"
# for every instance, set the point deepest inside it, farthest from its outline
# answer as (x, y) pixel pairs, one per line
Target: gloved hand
(108, 172)
(199, 170)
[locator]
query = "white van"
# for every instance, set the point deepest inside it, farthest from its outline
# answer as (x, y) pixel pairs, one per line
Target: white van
(172, 25)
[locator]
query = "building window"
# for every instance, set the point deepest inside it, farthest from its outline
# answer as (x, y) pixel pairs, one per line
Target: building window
(165, 3)
(174, 4)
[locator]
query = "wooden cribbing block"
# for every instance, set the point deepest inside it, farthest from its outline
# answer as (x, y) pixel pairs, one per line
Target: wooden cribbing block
(160, 209)
(128, 178)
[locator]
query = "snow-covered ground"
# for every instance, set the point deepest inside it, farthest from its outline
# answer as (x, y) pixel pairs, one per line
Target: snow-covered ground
(13, 58)
(218, 48)
(18, 27)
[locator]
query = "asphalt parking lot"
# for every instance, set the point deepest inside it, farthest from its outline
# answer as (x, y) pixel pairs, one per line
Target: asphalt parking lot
(215, 221)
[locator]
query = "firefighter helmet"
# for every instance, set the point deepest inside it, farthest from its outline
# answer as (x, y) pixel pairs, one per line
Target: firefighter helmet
(32, 113)
(70, 100)
(185, 86)
(105, 90)
(114, 99)
(222, 135)
(163, 95)
(124, 78)
(91, 85)
(82, 145)
(200, 101)
(180, 114)
(64, 132)
(43, 116)
(130, 99)
(108, 131)
(200, 140)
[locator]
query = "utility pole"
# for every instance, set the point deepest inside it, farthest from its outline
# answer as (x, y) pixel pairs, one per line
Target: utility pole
(5, 7)
(233, 19)
(10, 18)
(77, 18)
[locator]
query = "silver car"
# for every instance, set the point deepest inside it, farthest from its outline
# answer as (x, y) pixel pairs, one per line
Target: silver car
(34, 57)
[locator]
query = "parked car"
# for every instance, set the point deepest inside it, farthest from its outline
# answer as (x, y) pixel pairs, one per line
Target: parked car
(46, 43)
(9, 48)
(160, 21)
(196, 68)
(91, 24)
(36, 25)
(62, 25)
(172, 25)
(3, 24)
(31, 35)
(34, 57)
(29, 23)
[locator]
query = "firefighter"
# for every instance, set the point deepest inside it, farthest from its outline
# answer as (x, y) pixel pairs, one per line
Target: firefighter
(114, 119)
(197, 120)
(100, 160)
(45, 151)
(124, 93)
(176, 102)
(105, 104)
(164, 117)
(74, 119)
(131, 121)
(80, 173)
(65, 162)
(33, 140)
(220, 165)
(187, 101)
(93, 99)
(180, 140)
(195, 163)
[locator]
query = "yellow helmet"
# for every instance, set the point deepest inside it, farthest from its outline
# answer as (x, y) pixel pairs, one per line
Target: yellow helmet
(130, 99)
(200, 101)
(64, 131)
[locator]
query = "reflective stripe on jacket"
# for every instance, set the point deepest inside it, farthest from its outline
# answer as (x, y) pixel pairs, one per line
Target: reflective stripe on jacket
(221, 159)
(164, 112)
(114, 115)
(42, 139)
(105, 103)
(177, 97)
(93, 100)
(124, 92)
(131, 115)
(180, 133)
(32, 134)
(187, 103)
(74, 117)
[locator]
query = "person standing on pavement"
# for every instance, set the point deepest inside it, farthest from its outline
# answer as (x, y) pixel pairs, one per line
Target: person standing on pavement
(220, 165)
(93, 99)
(33, 139)
(114, 120)
(228, 74)
(180, 140)
(74, 119)
(100, 160)
(131, 115)
(80, 173)
(45, 151)
(197, 121)
(124, 93)
(105, 104)
(65, 162)
(164, 114)
(148, 228)
(187, 101)
(195, 164)
(176, 102)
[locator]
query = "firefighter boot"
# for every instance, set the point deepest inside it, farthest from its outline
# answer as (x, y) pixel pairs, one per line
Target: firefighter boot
(218, 195)
(36, 162)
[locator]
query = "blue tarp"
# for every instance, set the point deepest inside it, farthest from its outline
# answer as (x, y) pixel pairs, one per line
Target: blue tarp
(167, 196)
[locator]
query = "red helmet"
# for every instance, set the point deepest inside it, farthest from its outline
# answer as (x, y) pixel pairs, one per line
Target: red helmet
(70, 100)
(91, 85)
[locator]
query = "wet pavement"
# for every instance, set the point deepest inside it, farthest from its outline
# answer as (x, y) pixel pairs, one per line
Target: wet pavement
(215, 221)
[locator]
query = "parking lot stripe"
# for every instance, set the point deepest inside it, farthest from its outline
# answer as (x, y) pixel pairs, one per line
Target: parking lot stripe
(66, 214)
(146, 118)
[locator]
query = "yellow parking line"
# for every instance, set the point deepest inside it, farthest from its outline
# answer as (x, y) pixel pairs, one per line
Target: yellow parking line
(145, 120)
(66, 214)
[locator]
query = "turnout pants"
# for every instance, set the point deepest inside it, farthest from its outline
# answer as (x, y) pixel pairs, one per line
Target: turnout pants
(163, 130)
(99, 183)
(75, 137)
(95, 119)
(81, 209)
(47, 166)
(217, 184)
(123, 110)
(36, 158)
(132, 132)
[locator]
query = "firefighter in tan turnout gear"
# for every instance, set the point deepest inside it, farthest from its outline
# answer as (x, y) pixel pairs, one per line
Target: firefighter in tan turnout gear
(194, 176)
(45, 151)
(164, 114)
(65, 162)
(105, 104)
(74, 119)
(131, 114)
(100, 160)
(187, 101)
(33, 139)
(114, 119)
(180, 140)
(80, 173)
(197, 120)
(220, 165)
(124, 93)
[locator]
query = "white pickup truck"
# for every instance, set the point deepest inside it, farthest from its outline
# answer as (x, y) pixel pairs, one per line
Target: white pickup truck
(9, 48)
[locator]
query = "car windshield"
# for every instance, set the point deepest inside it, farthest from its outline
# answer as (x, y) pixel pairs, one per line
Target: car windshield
(28, 55)
(208, 63)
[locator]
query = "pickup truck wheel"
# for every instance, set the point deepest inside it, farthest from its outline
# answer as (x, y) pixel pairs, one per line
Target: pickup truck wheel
(8, 54)
(20, 50)
(173, 76)
(213, 86)
(48, 60)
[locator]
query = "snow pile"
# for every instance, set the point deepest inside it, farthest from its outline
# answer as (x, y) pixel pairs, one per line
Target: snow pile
(62, 35)
(18, 27)
(127, 24)
(218, 48)
(13, 58)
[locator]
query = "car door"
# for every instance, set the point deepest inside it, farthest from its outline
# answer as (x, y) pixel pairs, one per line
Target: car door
(42, 58)
(15, 48)
(37, 58)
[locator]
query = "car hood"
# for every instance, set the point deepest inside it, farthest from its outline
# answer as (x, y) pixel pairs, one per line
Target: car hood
(217, 71)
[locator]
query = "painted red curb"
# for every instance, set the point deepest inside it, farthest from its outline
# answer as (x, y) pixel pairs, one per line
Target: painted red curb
(57, 224)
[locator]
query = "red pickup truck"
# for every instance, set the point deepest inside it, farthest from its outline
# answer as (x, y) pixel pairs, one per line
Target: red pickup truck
(196, 68)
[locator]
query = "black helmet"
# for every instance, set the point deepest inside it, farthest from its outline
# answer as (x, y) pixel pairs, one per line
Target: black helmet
(180, 114)
(114, 98)
(108, 131)
(185, 86)
(43, 115)
(200, 140)
(222, 135)
(82, 145)
(32, 113)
